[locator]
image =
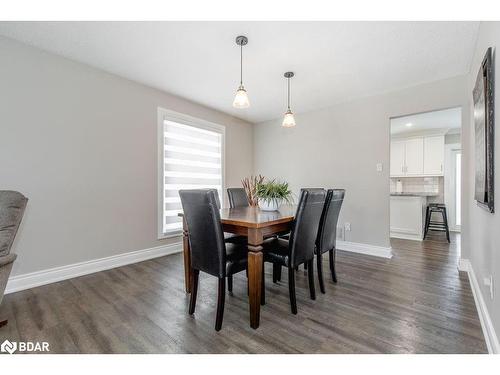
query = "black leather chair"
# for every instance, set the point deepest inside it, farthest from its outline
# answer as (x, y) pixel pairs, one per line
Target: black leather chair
(209, 252)
(237, 197)
(300, 248)
(327, 232)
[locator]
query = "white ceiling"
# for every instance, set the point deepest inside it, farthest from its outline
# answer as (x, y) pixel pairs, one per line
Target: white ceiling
(333, 61)
(449, 120)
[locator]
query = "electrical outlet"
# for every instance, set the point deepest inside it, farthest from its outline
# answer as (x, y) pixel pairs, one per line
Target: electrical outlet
(488, 281)
(380, 167)
(347, 227)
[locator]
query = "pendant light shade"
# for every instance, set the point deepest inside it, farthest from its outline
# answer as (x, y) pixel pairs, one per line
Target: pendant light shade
(288, 120)
(241, 98)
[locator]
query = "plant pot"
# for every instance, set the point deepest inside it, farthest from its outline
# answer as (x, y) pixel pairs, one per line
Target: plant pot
(269, 205)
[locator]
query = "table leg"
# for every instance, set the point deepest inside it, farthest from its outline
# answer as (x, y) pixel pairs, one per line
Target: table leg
(255, 269)
(187, 256)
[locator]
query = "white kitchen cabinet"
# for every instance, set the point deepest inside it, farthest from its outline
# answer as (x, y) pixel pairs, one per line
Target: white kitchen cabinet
(414, 157)
(407, 217)
(398, 158)
(434, 156)
(417, 156)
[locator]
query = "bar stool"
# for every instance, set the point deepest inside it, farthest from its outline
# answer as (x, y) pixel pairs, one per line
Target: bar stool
(439, 226)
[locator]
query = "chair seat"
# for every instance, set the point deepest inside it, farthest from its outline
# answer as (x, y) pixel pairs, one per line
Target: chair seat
(236, 258)
(276, 251)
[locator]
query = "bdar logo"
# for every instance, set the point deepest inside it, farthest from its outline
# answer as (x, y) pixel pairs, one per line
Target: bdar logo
(8, 347)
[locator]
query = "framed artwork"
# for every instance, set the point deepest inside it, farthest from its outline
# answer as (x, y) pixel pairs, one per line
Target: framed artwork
(484, 125)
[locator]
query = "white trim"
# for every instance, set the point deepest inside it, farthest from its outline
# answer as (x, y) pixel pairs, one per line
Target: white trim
(362, 248)
(490, 336)
(52, 275)
(169, 115)
(406, 236)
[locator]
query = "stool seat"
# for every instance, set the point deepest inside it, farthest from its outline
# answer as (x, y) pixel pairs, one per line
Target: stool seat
(439, 226)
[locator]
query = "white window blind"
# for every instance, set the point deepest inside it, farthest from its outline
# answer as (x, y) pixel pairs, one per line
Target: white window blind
(192, 158)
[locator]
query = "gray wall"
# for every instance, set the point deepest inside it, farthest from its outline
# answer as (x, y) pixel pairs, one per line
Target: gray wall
(81, 144)
(483, 238)
(341, 145)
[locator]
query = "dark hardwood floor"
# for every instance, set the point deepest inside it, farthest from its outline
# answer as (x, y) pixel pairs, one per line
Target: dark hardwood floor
(416, 302)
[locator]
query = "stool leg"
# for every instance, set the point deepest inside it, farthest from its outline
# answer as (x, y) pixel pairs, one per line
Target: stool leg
(427, 219)
(445, 219)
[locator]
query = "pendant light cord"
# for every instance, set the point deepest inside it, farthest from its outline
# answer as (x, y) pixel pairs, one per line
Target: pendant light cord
(241, 65)
(288, 93)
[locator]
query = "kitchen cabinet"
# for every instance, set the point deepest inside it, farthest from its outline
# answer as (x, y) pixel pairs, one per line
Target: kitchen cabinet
(434, 156)
(397, 158)
(407, 215)
(414, 157)
(417, 156)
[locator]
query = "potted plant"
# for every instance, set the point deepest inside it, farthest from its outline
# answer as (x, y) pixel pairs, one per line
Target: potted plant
(272, 194)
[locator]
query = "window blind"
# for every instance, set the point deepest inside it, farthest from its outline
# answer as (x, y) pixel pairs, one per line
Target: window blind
(192, 159)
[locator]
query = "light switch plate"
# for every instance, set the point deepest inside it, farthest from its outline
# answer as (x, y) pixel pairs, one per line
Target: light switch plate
(380, 167)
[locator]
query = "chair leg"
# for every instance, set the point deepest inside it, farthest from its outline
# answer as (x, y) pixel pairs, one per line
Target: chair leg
(291, 289)
(331, 255)
(278, 272)
(3, 323)
(275, 273)
(221, 297)
(230, 284)
(263, 288)
(305, 266)
(310, 275)
(319, 263)
(445, 219)
(194, 290)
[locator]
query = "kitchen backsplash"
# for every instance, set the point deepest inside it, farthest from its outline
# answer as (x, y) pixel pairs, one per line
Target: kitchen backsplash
(421, 185)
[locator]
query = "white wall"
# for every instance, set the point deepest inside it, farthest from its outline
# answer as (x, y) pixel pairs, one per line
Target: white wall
(483, 246)
(341, 145)
(81, 145)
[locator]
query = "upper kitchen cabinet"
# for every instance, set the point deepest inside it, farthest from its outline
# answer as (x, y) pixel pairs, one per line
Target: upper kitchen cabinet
(398, 158)
(414, 154)
(417, 156)
(434, 156)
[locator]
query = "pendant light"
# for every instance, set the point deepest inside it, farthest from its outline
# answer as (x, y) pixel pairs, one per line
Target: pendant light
(241, 98)
(288, 120)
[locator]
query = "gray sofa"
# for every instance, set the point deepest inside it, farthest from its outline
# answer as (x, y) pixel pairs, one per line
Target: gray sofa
(12, 205)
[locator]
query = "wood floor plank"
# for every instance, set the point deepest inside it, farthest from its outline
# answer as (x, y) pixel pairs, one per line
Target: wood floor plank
(416, 302)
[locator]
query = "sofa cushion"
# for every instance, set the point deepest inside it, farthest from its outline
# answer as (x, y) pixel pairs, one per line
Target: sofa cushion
(12, 205)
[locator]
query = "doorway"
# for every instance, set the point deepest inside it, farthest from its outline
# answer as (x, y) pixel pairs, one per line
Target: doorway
(425, 169)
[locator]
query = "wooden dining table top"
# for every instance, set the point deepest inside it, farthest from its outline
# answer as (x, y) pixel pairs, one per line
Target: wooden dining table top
(254, 217)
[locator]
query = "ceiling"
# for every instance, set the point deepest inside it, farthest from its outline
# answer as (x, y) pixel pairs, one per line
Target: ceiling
(333, 61)
(449, 120)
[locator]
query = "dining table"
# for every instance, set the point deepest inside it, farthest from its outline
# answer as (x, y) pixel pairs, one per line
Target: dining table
(256, 225)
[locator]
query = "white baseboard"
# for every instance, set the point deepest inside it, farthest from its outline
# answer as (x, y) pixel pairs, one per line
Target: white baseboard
(486, 324)
(52, 275)
(403, 236)
(361, 248)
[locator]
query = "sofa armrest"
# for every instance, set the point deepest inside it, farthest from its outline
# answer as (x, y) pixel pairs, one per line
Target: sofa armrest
(6, 259)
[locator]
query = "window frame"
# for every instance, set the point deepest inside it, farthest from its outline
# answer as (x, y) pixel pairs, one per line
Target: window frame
(169, 115)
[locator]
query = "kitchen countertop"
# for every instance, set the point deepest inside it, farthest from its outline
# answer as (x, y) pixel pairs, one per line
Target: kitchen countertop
(414, 194)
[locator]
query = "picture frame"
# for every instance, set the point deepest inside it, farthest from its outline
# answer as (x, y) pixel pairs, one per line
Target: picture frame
(483, 96)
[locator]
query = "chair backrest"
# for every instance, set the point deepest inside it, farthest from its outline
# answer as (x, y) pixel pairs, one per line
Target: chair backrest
(237, 197)
(305, 229)
(206, 238)
(327, 231)
(12, 205)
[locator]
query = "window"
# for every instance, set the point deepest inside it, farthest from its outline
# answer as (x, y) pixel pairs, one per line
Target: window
(191, 156)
